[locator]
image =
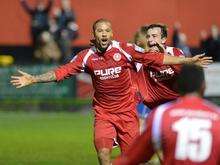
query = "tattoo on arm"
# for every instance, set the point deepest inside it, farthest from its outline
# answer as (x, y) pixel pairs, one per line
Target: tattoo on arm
(46, 77)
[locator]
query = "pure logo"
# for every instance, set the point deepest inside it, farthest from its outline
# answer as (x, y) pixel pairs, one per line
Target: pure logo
(110, 73)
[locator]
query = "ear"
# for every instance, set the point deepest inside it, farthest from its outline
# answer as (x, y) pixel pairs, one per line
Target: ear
(93, 34)
(164, 39)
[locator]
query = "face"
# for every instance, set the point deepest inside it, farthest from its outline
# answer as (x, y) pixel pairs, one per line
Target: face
(214, 31)
(103, 35)
(154, 36)
(65, 4)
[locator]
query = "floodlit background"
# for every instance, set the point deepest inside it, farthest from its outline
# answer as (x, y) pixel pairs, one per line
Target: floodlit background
(52, 123)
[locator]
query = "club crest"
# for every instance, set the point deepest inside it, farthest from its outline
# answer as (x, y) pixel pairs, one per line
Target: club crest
(117, 56)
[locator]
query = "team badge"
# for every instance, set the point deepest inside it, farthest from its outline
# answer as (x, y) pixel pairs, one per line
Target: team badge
(117, 57)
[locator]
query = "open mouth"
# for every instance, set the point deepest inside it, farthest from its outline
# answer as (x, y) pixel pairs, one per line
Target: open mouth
(104, 41)
(152, 44)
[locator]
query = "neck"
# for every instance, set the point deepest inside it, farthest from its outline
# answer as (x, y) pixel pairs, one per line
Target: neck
(194, 94)
(100, 49)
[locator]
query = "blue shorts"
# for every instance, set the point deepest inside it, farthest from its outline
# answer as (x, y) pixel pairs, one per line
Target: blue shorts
(143, 110)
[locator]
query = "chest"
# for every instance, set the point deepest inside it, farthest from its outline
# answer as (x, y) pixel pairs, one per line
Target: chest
(108, 66)
(160, 73)
(106, 62)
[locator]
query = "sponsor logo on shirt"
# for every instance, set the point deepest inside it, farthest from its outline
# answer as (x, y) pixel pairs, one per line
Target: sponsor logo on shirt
(162, 74)
(110, 73)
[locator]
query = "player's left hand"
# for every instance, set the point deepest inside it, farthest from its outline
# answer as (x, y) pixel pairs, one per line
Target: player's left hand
(160, 47)
(157, 48)
(202, 60)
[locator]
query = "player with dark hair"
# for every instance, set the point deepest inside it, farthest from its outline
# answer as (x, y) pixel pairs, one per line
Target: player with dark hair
(186, 131)
(157, 83)
(109, 63)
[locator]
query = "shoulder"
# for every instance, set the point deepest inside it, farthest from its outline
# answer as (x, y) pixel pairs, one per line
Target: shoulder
(123, 45)
(212, 106)
(83, 54)
(165, 107)
(174, 51)
(132, 46)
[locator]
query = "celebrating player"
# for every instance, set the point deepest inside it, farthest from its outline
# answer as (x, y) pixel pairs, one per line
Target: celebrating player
(186, 131)
(109, 63)
(157, 83)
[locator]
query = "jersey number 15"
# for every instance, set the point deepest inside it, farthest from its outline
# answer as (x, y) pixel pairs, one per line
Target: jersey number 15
(194, 139)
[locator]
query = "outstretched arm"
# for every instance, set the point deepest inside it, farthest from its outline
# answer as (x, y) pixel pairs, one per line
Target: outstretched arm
(25, 79)
(60, 73)
(157, 58)
(200, 60)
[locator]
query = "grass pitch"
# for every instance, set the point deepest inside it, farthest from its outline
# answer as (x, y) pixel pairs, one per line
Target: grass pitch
(44, 138)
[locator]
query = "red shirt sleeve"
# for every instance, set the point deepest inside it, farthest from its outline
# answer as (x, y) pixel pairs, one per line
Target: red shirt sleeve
(151, 58)
(146, 58)
(73, 67)
(141, 150)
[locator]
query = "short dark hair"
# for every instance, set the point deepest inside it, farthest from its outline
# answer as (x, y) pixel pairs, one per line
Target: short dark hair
(163, 27)
(99, 21)
(190, 79)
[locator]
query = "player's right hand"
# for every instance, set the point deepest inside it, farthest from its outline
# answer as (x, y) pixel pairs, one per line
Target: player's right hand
(24, 79)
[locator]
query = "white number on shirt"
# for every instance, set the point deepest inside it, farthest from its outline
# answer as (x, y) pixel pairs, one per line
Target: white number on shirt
(194, 139)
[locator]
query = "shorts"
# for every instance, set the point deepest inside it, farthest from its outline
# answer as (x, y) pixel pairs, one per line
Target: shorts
(123, 127)
(143, 110)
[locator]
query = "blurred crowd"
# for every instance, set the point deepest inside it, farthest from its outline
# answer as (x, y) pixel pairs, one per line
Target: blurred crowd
(52, 34)
(209, 42)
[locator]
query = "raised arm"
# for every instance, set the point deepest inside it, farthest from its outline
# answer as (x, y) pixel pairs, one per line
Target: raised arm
(49, 5)
(26, 7)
